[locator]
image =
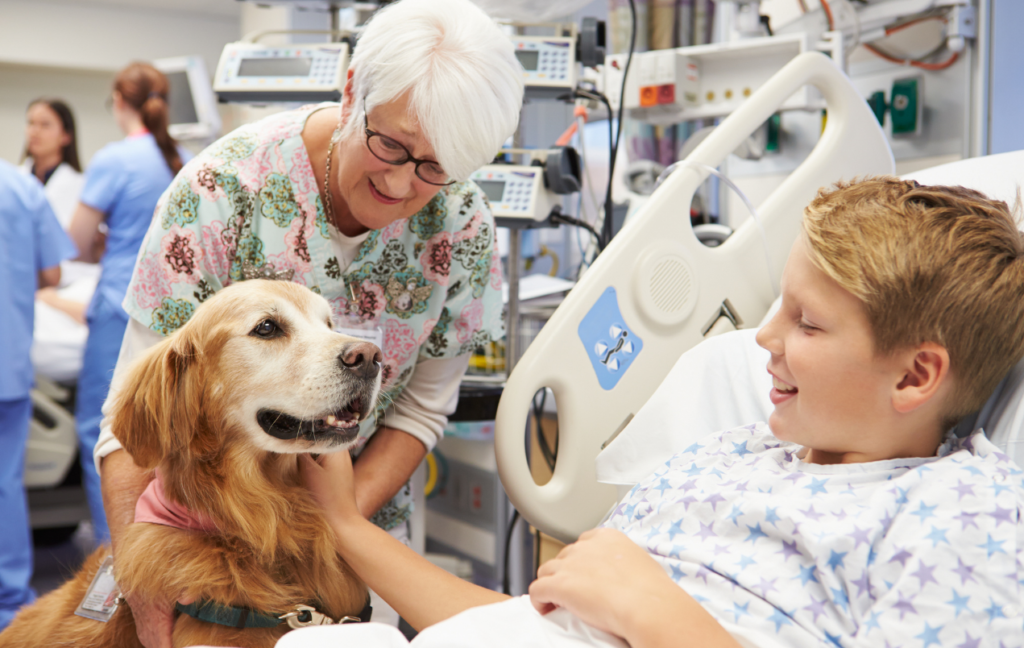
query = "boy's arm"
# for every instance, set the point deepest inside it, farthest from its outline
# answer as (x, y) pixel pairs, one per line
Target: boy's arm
(422, 593)
(608, 581)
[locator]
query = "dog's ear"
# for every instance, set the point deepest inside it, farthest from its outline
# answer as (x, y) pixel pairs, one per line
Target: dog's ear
(158, 407)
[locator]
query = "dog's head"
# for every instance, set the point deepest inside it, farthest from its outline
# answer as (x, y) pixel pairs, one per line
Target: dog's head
(257, 369)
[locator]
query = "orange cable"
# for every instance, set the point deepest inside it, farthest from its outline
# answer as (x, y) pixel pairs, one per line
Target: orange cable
(893, 30)
(828, 13)
(918, 64)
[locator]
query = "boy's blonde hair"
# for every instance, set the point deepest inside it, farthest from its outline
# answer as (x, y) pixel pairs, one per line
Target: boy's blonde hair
(931, 264)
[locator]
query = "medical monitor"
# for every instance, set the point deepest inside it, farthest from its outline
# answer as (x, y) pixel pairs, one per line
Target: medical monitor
(193, 106)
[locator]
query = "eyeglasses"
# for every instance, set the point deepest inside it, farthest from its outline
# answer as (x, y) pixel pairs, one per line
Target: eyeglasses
(388, 150)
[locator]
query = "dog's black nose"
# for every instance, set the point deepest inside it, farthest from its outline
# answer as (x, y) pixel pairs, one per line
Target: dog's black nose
(362, 358)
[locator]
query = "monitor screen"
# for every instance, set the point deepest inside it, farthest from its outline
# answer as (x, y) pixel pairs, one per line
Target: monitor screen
(528, 58)
(493, 189)
(181, 104)
(192, 107)
(275, 67)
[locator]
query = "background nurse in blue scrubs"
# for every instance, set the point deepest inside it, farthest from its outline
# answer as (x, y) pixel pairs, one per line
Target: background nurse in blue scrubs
(123, 182)
(32, 245)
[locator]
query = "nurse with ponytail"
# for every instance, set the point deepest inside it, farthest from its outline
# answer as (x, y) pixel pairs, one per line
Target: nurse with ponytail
(123, 182)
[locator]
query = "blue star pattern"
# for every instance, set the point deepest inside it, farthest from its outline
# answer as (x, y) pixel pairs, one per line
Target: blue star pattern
(912, 552)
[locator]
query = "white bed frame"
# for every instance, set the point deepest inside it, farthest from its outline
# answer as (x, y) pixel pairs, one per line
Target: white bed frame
(653, 293)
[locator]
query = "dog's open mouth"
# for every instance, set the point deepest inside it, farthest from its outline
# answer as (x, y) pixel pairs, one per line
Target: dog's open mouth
(343, 424)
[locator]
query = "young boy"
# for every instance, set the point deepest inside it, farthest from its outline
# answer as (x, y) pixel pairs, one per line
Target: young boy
(850, 518)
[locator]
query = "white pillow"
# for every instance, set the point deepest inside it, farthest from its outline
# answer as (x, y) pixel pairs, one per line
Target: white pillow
(719, 384)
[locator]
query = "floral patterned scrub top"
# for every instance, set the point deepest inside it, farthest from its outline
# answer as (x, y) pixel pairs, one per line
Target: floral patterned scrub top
(249, 206)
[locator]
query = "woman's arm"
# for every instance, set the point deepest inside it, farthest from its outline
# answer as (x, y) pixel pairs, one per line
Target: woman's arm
(384, 466)
(73, 309)
(420, 592)
(412, 426)
(608, 581)
(49, 277)
(84, 229)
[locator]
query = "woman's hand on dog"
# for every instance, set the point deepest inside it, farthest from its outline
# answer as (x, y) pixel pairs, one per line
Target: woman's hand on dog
(330, 480)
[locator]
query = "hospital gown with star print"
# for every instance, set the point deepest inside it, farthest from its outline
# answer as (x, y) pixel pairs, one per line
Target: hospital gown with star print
(906, 552)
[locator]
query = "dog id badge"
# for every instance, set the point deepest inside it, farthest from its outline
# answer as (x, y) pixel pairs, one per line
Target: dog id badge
(103, 595)
(355, 326)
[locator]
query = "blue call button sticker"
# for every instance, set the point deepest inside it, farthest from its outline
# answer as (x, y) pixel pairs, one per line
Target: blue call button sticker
(611, 345)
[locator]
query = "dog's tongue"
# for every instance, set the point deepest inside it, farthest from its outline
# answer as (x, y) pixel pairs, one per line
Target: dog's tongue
(345, 415)
(346, 418)
(353, 411)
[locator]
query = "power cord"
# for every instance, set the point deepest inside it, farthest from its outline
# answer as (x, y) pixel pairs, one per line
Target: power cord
(550, 457)
(606, 225)
(506, 586)
(559, 218)
(550, 454)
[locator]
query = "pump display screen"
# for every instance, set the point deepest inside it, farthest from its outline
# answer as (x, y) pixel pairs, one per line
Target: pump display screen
(274, 67)
(528, 59)
(493, 189)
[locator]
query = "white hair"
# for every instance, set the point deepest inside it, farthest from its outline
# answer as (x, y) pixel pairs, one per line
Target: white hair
(464, 82)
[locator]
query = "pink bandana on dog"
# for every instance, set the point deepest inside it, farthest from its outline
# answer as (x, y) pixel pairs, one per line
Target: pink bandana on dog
(155, 508)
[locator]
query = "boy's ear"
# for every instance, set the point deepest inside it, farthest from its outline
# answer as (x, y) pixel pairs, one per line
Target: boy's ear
(925, 371)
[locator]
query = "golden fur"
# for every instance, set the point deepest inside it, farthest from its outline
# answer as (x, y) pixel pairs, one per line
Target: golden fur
(188, 407)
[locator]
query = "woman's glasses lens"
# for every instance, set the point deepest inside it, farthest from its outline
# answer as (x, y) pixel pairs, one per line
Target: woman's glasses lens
(432, 173)
(387, 149)
(390, 151)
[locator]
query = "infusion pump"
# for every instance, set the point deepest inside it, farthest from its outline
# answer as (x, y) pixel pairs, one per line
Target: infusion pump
(250, 72)
(515, 191)
(549, 65)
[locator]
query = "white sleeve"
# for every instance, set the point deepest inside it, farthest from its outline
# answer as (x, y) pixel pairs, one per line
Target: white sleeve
(137, 338)
(432, 394)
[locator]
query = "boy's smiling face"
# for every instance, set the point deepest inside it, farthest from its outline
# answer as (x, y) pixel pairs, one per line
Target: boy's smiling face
(832, 393)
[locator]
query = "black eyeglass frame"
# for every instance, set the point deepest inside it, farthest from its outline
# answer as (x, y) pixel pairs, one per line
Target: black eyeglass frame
(408, 156)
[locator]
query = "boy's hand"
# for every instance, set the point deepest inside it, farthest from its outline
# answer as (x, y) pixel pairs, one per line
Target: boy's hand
(609, 582)
(605, 579)
(329, 479)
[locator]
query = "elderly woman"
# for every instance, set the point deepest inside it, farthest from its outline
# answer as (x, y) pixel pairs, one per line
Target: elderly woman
(367, 205)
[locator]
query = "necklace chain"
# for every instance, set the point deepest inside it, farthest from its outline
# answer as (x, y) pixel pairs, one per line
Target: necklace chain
(329, 208)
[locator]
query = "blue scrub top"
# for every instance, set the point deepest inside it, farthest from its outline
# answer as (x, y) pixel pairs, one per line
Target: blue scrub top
(124, 181)
(31, 239)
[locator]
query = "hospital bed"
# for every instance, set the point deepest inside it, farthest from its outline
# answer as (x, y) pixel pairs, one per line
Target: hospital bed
(656, 292)
(56, 499)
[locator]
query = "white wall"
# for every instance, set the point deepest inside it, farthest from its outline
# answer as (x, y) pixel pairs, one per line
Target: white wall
(85, 34)
(72, 49)
(1006, 91)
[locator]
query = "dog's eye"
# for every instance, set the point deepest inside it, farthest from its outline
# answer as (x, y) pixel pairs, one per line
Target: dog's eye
(266, 329)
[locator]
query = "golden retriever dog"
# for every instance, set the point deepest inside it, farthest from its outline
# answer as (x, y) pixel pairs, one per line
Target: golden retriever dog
(221, 410)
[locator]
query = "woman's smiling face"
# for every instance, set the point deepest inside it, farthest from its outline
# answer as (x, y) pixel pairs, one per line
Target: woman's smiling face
(375, 193)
